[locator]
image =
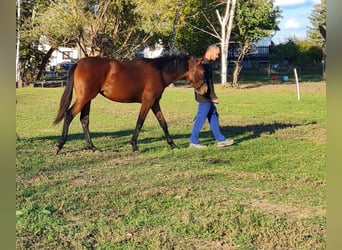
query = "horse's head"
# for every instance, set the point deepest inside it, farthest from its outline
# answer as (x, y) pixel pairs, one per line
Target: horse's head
(195, 76)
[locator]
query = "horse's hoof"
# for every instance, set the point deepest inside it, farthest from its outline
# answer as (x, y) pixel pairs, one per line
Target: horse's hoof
(173, 146)
(92, 148)
(57, 149)
(96, 150)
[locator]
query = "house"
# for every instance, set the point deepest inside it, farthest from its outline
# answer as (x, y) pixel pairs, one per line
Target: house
(257, 57)
(60, 56)
(63, 56)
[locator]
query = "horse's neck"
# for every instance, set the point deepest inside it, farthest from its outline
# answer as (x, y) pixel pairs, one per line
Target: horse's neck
(171, 77)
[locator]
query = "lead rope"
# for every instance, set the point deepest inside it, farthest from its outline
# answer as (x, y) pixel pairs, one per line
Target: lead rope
(194, 73)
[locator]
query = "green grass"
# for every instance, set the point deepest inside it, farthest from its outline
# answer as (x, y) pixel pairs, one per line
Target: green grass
(257, 76)
(265, 192)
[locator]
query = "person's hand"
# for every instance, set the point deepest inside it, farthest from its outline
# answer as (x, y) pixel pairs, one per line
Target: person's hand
(215, 101)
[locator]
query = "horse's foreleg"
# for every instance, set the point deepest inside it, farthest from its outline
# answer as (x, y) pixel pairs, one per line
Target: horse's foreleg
(84, 118)
(160, 117)
(140, 122)
(67, 120)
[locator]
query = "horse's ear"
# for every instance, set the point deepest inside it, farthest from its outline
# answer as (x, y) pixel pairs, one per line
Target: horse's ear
(199, 61)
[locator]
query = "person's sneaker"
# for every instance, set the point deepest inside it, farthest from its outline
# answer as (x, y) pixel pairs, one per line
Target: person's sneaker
(193, 145)
(225, 143)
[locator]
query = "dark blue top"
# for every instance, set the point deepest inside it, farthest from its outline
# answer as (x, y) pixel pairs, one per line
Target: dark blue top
(208, 78)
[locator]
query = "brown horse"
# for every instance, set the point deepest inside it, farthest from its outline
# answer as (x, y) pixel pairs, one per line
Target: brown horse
(140, 80)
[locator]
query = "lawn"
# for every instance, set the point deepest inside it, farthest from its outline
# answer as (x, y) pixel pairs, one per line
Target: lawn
(265, 192)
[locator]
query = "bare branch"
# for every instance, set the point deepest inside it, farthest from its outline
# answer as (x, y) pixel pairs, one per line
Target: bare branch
(219, 17)
(205, 31)
(210, 24)
(227, 16)
(231, 18)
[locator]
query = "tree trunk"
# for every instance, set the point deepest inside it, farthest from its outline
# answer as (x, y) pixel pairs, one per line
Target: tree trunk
(225, 35)
(224, 50)
(322, 30)
(236, 73)
(238, 67)
(44, 62)
(174, 30)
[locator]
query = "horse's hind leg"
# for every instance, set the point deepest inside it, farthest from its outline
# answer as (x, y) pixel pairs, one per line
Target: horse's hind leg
(145, 107)
(84, 118)
(68, 117)
(160, 117)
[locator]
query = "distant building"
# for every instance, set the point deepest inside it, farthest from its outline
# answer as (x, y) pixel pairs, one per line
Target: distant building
(62, 55)
(149, 52)
(257, 57)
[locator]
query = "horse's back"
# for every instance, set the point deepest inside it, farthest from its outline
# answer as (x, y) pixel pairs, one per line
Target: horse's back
(92, 64)
(128, 81)
(122, 81)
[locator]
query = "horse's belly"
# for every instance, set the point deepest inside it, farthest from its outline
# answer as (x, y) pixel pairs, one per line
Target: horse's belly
(123, 99)
(121, 93)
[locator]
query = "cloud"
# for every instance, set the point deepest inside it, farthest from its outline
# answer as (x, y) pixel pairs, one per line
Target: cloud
(293, 24)
(290, 3)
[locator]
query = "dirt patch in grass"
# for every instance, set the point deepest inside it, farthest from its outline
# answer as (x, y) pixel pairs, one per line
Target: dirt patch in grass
(218, 245)
(294, 213)
(318, 88)
(313, 132)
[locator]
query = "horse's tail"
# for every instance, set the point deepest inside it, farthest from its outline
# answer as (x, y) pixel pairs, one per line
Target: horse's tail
(67, 96)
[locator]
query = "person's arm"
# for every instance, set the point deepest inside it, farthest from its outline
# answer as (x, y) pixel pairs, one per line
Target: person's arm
(215, 101)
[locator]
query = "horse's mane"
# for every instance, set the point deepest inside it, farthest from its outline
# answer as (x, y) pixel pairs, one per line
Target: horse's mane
(169, 63)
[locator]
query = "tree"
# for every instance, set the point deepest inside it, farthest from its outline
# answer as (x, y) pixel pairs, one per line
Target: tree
(160, 22)
(254, 20)
(317, 32)
(112, 28)
(94, 27)
(296, 53)
(285, 54)
(197, 22)
(174, 29)
(104, 28)
(157, 19)
(58, 25)
(226, 23)
(317, 18)
(28, 53)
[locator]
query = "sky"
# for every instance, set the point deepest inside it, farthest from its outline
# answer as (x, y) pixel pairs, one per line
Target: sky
(295, 19)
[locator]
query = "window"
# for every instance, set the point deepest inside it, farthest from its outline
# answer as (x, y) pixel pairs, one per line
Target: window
(67, 54)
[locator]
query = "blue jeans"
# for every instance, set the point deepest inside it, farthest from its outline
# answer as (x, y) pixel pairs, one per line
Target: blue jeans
(206, 110)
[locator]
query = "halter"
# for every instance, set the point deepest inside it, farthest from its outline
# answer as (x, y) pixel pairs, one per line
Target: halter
(202, 82)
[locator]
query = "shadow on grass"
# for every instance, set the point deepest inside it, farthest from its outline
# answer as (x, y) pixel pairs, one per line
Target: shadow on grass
(256, 130)
(238, 133)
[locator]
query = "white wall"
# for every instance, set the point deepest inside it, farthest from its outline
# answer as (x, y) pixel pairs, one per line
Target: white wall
(63, 54)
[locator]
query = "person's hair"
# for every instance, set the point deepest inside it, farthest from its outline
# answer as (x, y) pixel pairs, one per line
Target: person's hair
(212, 46)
